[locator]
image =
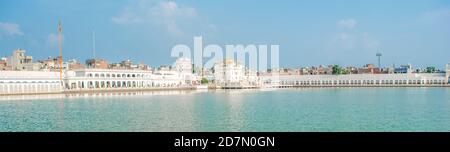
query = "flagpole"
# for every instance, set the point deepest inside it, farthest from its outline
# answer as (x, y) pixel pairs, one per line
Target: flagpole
(60, 52)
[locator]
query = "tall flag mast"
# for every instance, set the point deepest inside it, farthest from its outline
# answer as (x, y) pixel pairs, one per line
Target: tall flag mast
(93, 44)
(60, 51)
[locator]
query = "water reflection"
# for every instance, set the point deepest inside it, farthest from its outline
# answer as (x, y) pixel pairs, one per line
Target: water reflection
(350, 109)
(96, 95)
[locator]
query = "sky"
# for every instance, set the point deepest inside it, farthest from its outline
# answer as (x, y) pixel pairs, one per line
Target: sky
(309, 32)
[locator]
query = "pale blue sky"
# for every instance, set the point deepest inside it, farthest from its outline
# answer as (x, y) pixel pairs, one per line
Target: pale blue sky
(309, 32)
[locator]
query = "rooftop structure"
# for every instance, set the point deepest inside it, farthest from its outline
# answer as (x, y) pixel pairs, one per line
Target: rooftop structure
(97, 64)
(379, 59)
(19, 61)
(228, 73)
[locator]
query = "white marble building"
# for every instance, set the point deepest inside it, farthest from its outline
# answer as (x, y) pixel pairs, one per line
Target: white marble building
(29, 82)
(184, 68)
(98, 79)
(403, 79)
(167, 78)
(228, 73)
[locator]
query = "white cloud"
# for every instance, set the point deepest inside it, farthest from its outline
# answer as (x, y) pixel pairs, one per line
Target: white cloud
(343, 40)
(350, 41)
(368, 42)
(167, 14)
(126, 17)
(347, 23)
(52, 40)
(437, 19)
(10, 29)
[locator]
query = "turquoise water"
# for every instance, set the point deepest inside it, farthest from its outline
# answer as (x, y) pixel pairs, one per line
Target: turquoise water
(313, 109)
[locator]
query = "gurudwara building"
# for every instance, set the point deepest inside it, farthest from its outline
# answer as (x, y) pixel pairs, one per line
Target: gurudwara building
(400, 79)
(231, 74)
(29, 82)
(96, 79)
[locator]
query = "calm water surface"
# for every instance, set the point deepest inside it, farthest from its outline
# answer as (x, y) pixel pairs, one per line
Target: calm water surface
(313, 109)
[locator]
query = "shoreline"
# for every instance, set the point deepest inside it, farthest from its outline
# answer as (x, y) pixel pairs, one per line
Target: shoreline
(247, 88)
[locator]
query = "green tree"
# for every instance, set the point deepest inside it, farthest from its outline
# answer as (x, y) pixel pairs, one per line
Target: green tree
(336, 70)
(339, 70)
(431, 69)
(204, 81)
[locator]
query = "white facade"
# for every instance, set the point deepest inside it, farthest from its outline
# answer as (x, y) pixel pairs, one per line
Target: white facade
(111, 79)
(447, 72)
(228, 73)
(98, 79)
(183, 65)
(29, 82)
(184, 68)
(252, 78)
(404, 79)
(167, 78)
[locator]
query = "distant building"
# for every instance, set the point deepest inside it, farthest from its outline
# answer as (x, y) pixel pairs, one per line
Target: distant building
(50, 63)
(142, 66)
(128, 65)
(184, 67)
(97, 64)
(407, 68)
(228, 73)
(164, 68)
(75, 65)
(369, 69)
(352, 70)
(3, 64)
(20, 62)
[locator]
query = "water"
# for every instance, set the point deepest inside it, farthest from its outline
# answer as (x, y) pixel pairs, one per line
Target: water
(313, 109)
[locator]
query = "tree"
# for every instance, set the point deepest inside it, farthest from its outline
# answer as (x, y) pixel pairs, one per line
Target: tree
(431, 69)
(339, 70)
(204, 81)
(336, 70)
